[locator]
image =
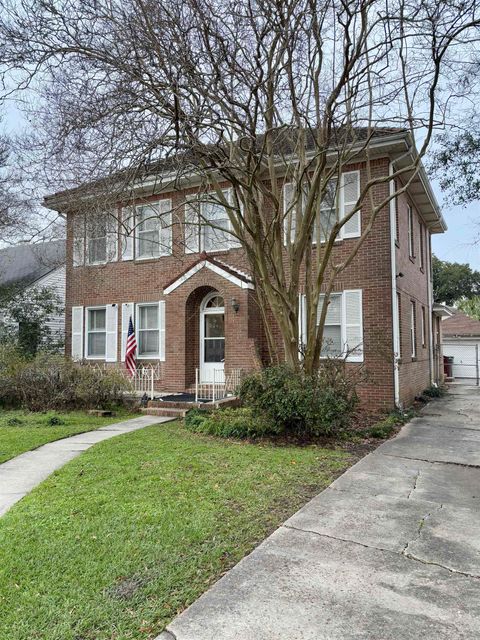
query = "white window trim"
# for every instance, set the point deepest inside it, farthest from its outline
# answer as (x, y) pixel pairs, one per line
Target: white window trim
(152, 204)
(342, 235)
(343, 326)
(86, 325)
(413, 329)
(232, 243)
(160, 330)
(424, 329)
(411, 240)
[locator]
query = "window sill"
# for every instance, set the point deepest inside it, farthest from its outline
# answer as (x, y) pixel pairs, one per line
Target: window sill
(412, 259)
(422, 269)
(414, 358)
(397, 244)
(154, 259)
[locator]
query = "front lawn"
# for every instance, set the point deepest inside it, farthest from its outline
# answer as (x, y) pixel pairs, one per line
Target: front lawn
(122, 538)
(22, 431)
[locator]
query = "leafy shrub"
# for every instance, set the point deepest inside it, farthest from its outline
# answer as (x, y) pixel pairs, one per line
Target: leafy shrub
(14, 422)
(54, 421)
(301, 404)
(53, 382)
(434, 392)
(227, 423)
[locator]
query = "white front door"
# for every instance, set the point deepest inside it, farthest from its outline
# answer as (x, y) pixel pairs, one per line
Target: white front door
(212, 339)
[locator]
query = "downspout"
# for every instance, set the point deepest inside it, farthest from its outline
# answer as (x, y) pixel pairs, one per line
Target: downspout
(395, 322)
(430, 309)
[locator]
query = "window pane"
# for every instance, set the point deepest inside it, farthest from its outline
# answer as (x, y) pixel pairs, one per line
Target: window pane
(148, 343)
(97, 319)
(214, 350)
(96, 344)
(217, 301)
(97, 250)
(148, 218)
(215, 326)
(148, 244)
(148, 317)
(332, 341)
(216, 239)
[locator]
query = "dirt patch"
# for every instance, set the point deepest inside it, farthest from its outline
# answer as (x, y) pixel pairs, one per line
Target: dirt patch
(126, 588)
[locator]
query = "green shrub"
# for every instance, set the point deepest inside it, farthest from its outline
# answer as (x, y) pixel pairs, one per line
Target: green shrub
(300, 404)
(227, 423)
(434, 392)
(50, 382)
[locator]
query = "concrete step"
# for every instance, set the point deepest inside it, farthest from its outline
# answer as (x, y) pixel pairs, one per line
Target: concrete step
(170, 412)
(171, 404)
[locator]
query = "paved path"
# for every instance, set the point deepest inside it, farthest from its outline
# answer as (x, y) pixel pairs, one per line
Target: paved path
(20, 475)
(390, 551)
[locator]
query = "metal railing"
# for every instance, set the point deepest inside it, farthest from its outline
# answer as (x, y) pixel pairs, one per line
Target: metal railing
(143, 380)
(221, 386)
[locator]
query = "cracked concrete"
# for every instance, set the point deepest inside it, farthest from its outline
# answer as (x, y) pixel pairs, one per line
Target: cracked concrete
(390, 551)
(20, 475)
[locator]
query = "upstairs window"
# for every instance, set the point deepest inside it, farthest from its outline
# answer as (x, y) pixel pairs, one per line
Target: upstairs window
(94, 238)
(411, 239)
(153, 230)
(336, 205)
(207, 225)
(97, 239)
(422, 246)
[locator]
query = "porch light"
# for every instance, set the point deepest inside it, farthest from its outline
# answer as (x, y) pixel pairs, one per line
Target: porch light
(235, 305)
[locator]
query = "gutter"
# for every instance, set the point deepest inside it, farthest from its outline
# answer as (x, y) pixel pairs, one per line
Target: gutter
(395, 319)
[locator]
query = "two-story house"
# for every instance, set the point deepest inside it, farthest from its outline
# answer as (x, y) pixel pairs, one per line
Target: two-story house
(190, 291)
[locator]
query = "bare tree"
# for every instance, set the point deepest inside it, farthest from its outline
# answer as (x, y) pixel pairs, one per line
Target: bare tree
(273, 99)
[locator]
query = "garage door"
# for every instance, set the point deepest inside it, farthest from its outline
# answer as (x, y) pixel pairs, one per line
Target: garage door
(464, 359)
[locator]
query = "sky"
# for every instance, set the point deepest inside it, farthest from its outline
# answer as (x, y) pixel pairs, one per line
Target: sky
(457, 244)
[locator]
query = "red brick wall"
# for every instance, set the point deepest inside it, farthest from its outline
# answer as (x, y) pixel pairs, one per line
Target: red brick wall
(412, 286)
(143, 281)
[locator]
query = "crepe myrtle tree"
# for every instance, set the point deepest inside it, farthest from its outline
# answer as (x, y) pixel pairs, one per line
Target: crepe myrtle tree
(141, 94)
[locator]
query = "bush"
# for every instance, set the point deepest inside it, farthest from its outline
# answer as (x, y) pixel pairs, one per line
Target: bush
(227, 423)
(300, 404)
(434, 392)
(52, 382)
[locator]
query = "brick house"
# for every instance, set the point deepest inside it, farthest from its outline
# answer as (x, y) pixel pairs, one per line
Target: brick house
(191, 295)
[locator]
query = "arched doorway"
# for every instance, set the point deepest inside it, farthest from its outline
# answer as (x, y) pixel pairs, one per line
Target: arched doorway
(212, 338)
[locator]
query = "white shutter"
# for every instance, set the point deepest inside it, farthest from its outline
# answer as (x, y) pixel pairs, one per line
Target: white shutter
(127, 233)
(353, 324)
(289, 217)
(192, 227)
(128, 311)
(349, 194)
(165, 213)
(78, 239)
(77, 333)
(334, 311)
(111, 332)
(161, 326)
(112, 237)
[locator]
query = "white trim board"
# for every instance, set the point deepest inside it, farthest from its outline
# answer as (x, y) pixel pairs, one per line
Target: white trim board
(213, 267)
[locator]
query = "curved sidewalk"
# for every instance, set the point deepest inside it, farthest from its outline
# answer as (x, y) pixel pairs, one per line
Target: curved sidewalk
(20, 475)
(390, 551)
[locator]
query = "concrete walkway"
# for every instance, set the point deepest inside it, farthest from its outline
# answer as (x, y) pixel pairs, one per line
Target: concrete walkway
(20, 475)
(390, 551)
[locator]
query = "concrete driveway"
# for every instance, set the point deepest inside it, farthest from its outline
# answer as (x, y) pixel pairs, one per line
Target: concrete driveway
(391, 550)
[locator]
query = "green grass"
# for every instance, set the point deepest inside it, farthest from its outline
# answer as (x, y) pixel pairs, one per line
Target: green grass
(21, 431)
(117, 542)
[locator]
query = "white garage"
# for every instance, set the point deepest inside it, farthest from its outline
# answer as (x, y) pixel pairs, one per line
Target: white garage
(461, 341)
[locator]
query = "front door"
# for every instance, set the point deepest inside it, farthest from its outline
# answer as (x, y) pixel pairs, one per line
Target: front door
(212, 339)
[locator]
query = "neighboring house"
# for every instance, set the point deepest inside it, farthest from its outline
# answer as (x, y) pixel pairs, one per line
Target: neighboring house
(461, 340)
(192, 296)
(37, 266)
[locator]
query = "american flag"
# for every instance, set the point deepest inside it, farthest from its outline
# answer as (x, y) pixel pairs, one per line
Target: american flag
(130, 349)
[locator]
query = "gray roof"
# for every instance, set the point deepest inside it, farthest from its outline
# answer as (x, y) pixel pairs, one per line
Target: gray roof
(29, 262)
